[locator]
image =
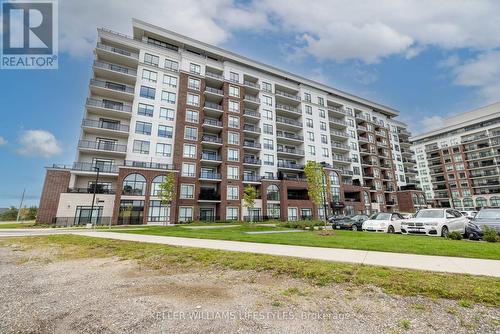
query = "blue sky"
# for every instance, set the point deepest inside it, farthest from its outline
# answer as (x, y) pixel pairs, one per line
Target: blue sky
(426, 62)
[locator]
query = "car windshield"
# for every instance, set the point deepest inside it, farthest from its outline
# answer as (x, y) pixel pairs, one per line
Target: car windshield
(488, 214)
(381, 216)
(429, 214)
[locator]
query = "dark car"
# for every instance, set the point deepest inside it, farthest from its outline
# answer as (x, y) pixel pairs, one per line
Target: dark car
(353, 222)
(485, 217)
(332, 219)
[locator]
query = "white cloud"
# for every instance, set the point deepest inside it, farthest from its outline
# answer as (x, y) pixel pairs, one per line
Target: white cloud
(431, 122)
(3, 141)
(38, 143)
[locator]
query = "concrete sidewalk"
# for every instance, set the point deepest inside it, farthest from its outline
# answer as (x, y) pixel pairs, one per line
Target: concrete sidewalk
(399, 260)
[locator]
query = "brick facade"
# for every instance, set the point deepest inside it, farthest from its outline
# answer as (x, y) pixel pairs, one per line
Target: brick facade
(56, 182)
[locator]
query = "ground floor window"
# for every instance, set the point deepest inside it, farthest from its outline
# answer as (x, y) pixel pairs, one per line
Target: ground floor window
(292, 214)
(207, 214)
(185, 214)
(273, 210)
(131, 212)
(321, 213)
(158, 212)
(82, 215)
(305, 214)
(232, 213)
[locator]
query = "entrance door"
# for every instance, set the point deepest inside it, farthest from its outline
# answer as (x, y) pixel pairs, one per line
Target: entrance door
(207, 214)
(254, 215)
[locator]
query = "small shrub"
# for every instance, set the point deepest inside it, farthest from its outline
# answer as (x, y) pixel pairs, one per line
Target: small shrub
(406, 324)
(490, 234)
(455, 235)
(464, 303)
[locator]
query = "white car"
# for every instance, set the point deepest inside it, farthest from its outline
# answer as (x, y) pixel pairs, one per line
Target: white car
(469, 214)
(437, 222)
(387, 222)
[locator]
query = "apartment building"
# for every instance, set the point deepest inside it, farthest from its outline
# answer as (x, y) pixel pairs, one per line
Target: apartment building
(161, 103)
(459, 164)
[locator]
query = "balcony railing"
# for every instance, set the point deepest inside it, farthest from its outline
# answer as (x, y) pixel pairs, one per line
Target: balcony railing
(209, 196)
(104, 146)
(285, 120)
(252, 98)
(252, 161)
(290, 165)
(91, 167)
(288, 108)
(337, 121)
(109, 105)
(115, 68)
(289, 136)
(210, 176)
(251, 84)
(149, 165)
(251, 144)
(252, 178)
(339, 133)
(213, 106)
(339, 110)
(90, 190)
(211, 157)
(105, 125)
(290, 96)
(343, 159)
(211, 139)
(251, 128)
(214, 90)
(343, 146)
(291, 151)
(211, 121)
(214, 75)
(117, 50)
(252, 113)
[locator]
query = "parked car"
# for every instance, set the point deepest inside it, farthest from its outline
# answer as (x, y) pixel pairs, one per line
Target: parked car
(354, 222)
(387, 222)
(436, 222)
(469, 213)
(332, 219)
(485, 217)
(408, 215)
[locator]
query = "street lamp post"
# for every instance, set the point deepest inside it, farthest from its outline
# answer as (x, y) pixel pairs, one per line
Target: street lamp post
(95, 190)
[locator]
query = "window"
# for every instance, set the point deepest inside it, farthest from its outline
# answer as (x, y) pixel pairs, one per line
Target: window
(167, 114)
(266, 87)
(268, 114)
(164, 150)
(187, 191)
(322, 126)
(234, 77)
(170, 80)
(194, 68)
(143, 128)
(321, 101)
(185, 214)
(149, 75)
(233, 138)
(155, 185)
(307, 97)
(233, 154)
(269, 159)
(141, 146)
(189, 151)
(322, 113)
(233, 192)
(134, 184)
(273, 193)
(309, 122)
(309, 110)
(145, 110)
(194, 84)
(168, 97)
(267, 101)
(232, 213)
(324, 139)
(158, 212)
(233, 172)
(495, 201)
(268, 144)
(325, 152)
(268, 129)
(234, 122)
(192, 116)
(171, 65)
(273, 210)
(481, 202)
(234, 91)
(468, 203)
(188, 169)
(151, 60)
(234, 106)
(190, 133)
(310, 135)
(193, 100)
(148, 92)
(312, 150)
(165, 131)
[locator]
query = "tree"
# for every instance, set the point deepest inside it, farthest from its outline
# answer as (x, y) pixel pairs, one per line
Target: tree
(9, 215)
(249, 195)
(167, 190)
(315, 176)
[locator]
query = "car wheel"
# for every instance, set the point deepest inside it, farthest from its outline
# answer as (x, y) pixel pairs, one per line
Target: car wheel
(444, 232)
(354, 227)
(390, 229)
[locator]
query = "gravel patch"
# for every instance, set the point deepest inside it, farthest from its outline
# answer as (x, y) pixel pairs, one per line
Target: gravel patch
(108, 295)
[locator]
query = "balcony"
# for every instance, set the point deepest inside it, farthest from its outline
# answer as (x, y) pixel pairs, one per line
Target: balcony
(109, 108)
(338, 147)
(112, 90)
(217, 77)
(90, 190)
(208, 196)
(91, 146)
(210, 176)
(212, 123)
(251, 85)
(252, 145)
(341, 160)
(90, 167)
(339, 134)
(336, 111)
(288, 123)
(113, 54)
(211, 140)
(251, 113)
(288, 109)
(252, 178)
(252, 99)
(286, 96)
(337, 123)
(214, 92)
(115, 72)
(289, 151)
(474, 138)
(148, 165)
(289, 165)
(211, 158)
(105, 128)
(214, 107)
(289, 137)
(252, 161)
(251, 129)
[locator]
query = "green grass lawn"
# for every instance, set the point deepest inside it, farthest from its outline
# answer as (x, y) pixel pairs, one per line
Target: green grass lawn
(26, 224)
(464, 288)
(340, 239)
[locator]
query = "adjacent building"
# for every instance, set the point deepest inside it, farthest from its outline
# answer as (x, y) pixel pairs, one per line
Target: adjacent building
(459, 164)
(160, 103)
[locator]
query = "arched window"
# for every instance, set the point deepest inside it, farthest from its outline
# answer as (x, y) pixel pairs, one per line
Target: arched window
(273, 193)
(134, 184)
(414, 198)
(367, 198)
(495, 201)
(334, 179)
(468, 203)
(457, 204)
(481, 201)
(155, 185)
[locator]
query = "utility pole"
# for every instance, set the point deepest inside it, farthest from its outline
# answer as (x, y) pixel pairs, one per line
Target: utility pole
(93, 196)
(20, 205)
